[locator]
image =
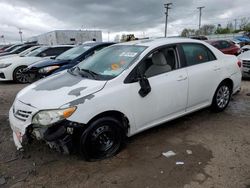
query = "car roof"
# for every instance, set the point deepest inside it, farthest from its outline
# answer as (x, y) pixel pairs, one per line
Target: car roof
(90, 43)
(161, 41)
(56, 46)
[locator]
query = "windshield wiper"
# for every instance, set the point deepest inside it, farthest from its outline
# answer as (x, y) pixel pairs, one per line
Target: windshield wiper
(71, 71)
(92, 73)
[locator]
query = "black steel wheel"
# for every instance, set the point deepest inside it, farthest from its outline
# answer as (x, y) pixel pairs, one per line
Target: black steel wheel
(102, 139)
(222, 97)
(19, 76)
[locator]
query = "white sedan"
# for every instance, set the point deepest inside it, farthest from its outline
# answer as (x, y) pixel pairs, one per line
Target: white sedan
(245, 58)
(122, 90)
(12, 68)
(20, 54)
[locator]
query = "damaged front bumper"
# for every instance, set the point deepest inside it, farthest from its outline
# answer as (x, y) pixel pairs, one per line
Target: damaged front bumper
(59, 136)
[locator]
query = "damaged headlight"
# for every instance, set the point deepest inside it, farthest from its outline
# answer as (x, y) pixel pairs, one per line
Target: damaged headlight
(49, 117)
(46, 70)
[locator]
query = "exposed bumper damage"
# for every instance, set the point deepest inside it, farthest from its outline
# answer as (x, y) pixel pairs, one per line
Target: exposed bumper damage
(61, 136)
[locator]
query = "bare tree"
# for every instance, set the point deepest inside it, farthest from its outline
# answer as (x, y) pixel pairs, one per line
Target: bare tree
(243, 23)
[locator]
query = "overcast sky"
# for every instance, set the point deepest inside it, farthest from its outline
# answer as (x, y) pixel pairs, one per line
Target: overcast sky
(142, 17)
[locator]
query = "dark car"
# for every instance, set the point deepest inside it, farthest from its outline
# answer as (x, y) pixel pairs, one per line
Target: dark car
(225, 46)
(18, 49)
(4, 47)
(10, 48)
(199, 37)
(64, 61)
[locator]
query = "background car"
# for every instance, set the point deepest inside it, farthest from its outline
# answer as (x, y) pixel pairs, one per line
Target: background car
(225, 46)
(237, 42)
(245, 58)
(10, 48)
(245, 48)
(25, 52)
(4, 47)
(244, 39)
(18, 50)
(199, 37)
(64, 61)
(12, 68)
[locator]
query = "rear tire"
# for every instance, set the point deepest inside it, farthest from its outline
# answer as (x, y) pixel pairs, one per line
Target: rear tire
(19, 76)
(222, 97)
(102, 139)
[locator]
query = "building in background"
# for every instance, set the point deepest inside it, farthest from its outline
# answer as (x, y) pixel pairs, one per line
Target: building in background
(59, 37)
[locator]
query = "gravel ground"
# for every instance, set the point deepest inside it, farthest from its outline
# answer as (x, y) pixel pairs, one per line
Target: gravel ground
(220, 145)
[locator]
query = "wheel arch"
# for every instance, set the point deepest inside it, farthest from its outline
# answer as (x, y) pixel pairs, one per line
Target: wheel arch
(16, 67)
(229, 81)
(115, 114)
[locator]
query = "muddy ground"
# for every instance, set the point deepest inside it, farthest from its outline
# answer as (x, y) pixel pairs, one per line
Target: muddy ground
(220, 145)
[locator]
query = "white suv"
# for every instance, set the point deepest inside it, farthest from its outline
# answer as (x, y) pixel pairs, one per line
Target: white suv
(122, 90)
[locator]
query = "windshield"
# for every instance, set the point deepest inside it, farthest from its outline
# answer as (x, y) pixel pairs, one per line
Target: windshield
(16, 49)
(11, 48)
(37, 51)
(111, 61)
(25, 52)
(73, 52)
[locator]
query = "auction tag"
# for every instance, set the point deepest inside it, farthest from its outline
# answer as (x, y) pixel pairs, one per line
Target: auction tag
(128, 54)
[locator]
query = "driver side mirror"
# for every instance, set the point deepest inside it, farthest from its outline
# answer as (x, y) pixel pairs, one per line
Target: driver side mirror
(53, 57)
(144, 83)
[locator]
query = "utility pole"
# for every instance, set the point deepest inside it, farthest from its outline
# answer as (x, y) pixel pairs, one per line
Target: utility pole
(235, 24)
(167, 7)
(21, 33)
(200, 9)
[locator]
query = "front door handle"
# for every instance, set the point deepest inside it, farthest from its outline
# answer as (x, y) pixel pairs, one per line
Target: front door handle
(181, 78)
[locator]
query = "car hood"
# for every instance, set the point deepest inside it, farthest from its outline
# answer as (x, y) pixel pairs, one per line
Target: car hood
(20, 60)
(8, 56)
(48, 62)
(59, 90)
(244, 56)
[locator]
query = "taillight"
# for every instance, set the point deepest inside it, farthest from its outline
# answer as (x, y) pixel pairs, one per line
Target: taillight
(239, 63)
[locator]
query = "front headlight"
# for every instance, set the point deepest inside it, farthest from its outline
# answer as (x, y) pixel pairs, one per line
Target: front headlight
(46, 70)
(49, 117)
(4, 65)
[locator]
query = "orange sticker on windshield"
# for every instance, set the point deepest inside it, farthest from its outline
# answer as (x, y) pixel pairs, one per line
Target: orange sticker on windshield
(115, 66)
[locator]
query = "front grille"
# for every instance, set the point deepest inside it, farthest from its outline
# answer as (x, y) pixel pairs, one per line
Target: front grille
(22, 115)
(2, 75)
(246, 64)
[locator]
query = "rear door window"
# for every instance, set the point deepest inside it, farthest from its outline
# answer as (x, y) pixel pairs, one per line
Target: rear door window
(54, 51)
(196, 54)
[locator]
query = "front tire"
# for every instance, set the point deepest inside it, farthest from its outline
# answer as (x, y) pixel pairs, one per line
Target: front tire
(102, 139)
(222, 97)
(19, 76)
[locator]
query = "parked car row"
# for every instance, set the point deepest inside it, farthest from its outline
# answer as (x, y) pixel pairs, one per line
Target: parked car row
(98, 101)
(66, 60)
(226, 46)
(234, 47)
(12, 68)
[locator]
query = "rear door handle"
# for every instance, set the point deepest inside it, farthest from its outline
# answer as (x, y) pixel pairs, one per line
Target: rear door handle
(217, 68)
(181, 78)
